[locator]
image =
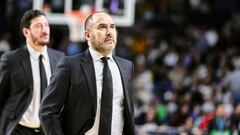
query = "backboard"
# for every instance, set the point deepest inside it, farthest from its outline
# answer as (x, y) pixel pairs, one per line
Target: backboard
(73, 13)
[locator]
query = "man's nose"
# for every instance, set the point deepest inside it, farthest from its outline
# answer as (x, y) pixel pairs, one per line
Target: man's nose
(109, 33)
(45, 28)
(45, 31)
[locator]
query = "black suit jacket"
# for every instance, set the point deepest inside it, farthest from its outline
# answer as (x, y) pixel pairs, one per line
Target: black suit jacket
(69, 104)
(16, 85)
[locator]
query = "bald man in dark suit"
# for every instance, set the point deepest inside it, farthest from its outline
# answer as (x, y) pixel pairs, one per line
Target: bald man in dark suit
(75, 99)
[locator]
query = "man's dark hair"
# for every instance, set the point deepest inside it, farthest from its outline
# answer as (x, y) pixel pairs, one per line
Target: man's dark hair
(28, 16)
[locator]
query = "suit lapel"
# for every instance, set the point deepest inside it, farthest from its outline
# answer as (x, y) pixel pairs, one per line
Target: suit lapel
(124, 77)
(88, 68)
(25, 59)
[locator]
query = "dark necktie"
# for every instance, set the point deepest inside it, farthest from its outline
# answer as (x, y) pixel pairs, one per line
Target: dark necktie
(43, 77)
(106, 101)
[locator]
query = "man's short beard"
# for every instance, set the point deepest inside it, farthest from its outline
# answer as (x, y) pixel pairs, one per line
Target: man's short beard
(35, 41)
(44, 43)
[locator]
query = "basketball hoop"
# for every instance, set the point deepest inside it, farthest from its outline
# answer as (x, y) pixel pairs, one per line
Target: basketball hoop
(74, 17)
(76, 22)
(78, 15)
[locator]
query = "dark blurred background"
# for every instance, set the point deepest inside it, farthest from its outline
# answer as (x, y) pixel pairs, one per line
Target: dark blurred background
(186, 55)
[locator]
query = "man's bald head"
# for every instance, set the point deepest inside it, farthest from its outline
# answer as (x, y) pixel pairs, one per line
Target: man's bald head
(88, 21)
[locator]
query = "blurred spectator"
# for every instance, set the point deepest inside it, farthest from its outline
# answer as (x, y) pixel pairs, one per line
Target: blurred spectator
(161, 113)
(188, 128)
(235, 121)
(139, 45)
(148, 118)
(220, 124)
(232, 80)
(205, 120)
(73, 49)
(182, 115)
(143, 82)
(4, 44)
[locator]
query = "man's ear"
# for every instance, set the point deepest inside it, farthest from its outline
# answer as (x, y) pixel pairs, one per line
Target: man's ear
(87, 35)
(25, 31)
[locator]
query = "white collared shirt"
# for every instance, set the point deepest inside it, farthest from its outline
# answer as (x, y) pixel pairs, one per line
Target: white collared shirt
(117, 113)
(30, 117)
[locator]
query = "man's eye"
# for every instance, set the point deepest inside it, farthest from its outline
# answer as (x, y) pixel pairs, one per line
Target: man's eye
(102, 27)
(38, 26)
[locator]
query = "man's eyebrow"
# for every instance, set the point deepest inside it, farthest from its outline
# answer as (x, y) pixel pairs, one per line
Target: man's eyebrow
(106, 24)
(36, 24)
(39, 23)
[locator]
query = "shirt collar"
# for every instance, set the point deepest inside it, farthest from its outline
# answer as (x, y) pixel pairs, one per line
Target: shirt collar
(97, 56)
(35, 54)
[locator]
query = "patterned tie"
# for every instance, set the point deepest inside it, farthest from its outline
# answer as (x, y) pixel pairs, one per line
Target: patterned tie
(43, 77)
(106, 101)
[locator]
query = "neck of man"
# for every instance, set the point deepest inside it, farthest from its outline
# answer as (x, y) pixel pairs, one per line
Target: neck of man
(37, 47)
(105, 53)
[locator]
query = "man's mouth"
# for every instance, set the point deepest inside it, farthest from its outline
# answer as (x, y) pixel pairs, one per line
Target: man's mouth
(108, 39)
(44, 36)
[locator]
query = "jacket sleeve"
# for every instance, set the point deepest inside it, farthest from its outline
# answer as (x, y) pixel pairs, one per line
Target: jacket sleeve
(4, 80)
(132, 97)
(54, 100)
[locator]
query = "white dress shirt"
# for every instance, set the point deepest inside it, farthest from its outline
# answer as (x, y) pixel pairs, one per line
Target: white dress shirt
(30, 117)
(117, 113)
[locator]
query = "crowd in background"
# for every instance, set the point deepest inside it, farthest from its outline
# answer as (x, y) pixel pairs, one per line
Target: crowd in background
(187, 61)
